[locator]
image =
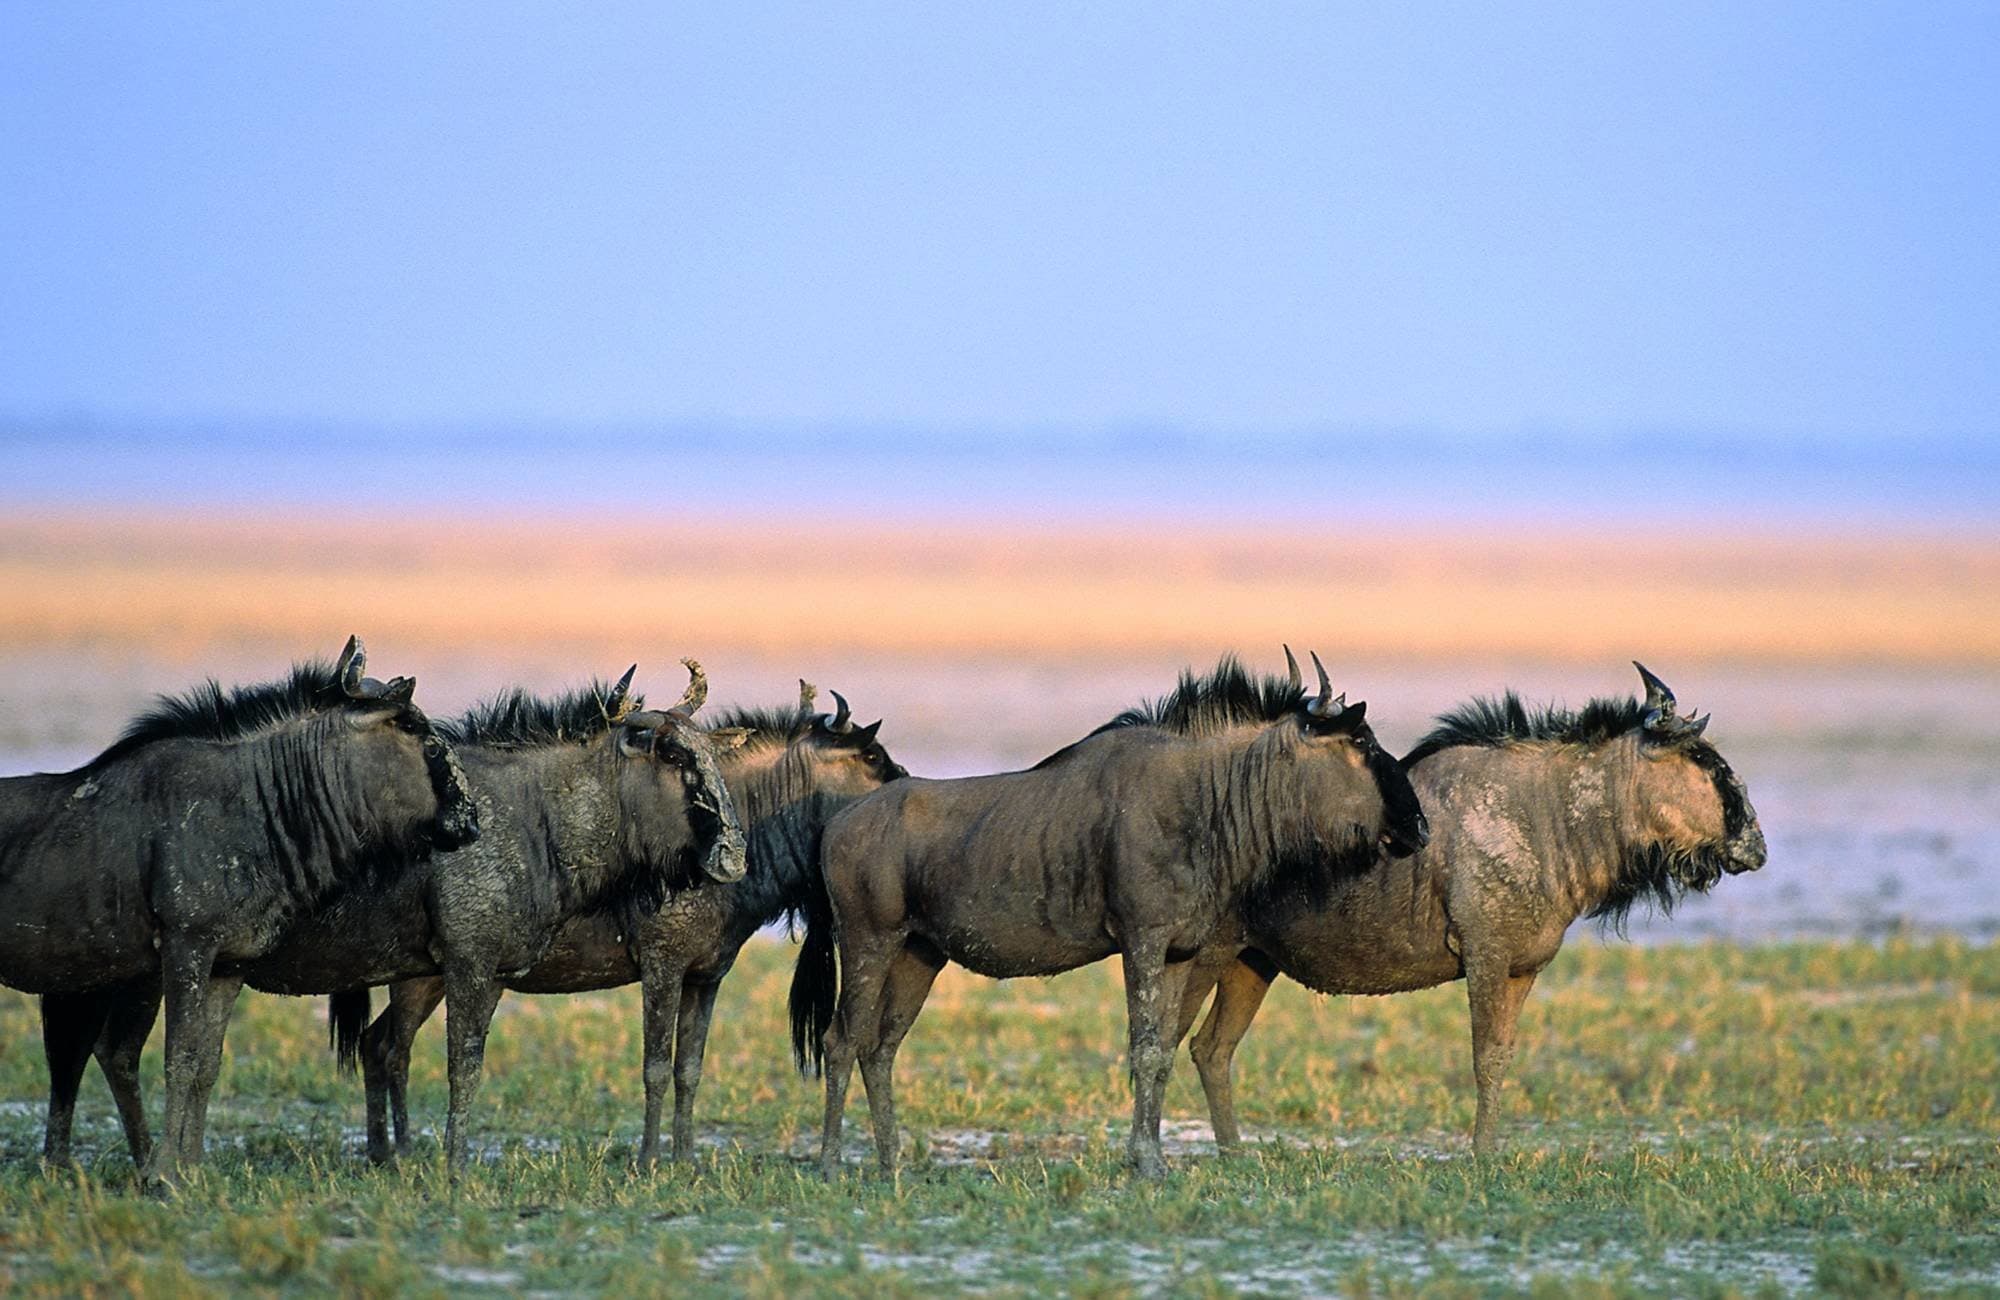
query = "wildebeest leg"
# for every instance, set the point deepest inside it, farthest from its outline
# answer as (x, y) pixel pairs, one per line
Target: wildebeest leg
(221, 1000)
(1150, 1005)
(1240, 991)
(70, 1024)
(469, 1000)
(697, 1013)
(120, 1043)
(185, 967)
(911, 973)
(660, 993)
(856, 1022)
(385, 1062)
(1496, 998)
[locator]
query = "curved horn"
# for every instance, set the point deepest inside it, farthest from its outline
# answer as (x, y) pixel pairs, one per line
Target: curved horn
(352, 665)
(619, 702)
(842, 719)
(1292, 671)
(807, 694)
(697, 690)
(1324, 705)
(1658, 698)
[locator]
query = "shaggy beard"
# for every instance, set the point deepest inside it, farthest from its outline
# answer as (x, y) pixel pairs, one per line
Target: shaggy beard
(1660, 877)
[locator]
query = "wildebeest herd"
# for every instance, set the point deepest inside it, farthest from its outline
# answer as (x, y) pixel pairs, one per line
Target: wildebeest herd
(322, 835)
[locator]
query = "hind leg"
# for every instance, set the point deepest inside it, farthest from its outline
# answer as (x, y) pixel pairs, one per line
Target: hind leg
(1496, 997)
(911, 973)
(70, 1025)
(122, 1041)
(1240, 991)
(386, 1051)
(864, 966)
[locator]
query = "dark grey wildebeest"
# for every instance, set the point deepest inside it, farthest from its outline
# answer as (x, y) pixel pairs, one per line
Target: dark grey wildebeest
(1147, 839)
(1540, 818)
(792, 773)
(193, 842)
(589, 805)
(585, 803)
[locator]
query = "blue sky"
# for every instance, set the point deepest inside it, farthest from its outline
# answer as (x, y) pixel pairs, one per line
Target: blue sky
(1772, 221)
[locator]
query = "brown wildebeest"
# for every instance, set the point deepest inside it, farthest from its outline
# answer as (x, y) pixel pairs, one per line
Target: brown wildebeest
(794, 771)
(1540, 818)
(194, 841)
(1146, 839)
(586, 802)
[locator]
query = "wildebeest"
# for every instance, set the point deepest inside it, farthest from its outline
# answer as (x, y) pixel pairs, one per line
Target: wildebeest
(1145, 839)
(792, 773)
(196, 840)
(1540, 817)
(585, 802)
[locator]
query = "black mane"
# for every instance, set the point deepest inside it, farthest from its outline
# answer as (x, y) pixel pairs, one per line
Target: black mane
(1488, 723)
(1200, 706)
(517, 718)
(212, 711)
(778, 725)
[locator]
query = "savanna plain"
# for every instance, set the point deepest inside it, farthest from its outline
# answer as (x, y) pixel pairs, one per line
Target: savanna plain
(1700, 1119)
(1791, 1086)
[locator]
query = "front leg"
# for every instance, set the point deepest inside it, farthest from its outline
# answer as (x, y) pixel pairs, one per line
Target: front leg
(216, 1008)
(660, 990)
(697, 1013)
(1495, 996)
(185, 966)
(469, 999)
(1152, 1000)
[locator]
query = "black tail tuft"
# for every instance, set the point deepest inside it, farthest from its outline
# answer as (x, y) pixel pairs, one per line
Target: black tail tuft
(815, 980)
(346, 1022)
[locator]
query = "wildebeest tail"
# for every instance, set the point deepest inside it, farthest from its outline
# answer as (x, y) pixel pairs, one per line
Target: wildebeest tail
(346, 1021)
(815, 980)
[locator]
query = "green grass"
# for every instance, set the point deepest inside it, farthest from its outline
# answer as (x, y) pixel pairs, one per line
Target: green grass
(1686, 1121)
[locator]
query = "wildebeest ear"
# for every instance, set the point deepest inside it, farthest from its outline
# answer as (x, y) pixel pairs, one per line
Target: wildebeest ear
(865, 737)
(400, 691)
(727, 738)
(1352, 716)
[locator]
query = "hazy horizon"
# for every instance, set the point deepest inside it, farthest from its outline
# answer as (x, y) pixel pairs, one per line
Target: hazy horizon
(1130, 476)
